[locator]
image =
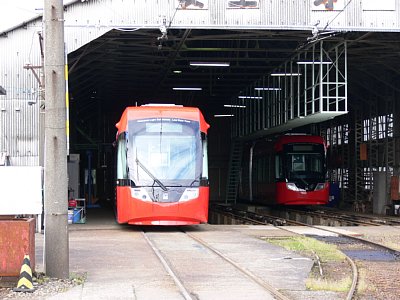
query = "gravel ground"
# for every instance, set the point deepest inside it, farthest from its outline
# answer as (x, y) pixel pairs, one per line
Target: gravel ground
(381, 277)
(380, 280)
(44, 287)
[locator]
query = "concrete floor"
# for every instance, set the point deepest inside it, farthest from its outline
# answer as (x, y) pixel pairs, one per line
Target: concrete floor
(120, 264)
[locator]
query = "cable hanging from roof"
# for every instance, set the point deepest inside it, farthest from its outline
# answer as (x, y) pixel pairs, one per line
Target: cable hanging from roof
(318, 34)
(164, 28)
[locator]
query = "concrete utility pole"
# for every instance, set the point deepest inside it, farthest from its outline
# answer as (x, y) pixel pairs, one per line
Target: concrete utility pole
(55, 180)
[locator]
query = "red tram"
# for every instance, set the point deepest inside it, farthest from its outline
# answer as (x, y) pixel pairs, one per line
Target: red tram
(162, 168)
(290, 171)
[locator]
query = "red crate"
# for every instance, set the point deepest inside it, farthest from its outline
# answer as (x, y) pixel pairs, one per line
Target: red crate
(17, 239)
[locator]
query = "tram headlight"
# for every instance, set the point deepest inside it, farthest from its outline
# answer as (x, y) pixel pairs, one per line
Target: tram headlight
(141, 194)
(189, 194)
(320, 186)
(293, 187)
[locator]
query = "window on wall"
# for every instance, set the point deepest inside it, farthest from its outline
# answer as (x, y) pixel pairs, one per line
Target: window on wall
(243, 4)
(378, 127)
(338, 135)
(378, 5)
(367, 178)
(327, 4)
(340, 176)
(192, 4)
(343, 178)
(368, 175)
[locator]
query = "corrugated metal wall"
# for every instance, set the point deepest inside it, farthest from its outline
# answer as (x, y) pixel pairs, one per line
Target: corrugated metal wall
(270, 14)
(85, 21)
(19, 132)
(18, 120)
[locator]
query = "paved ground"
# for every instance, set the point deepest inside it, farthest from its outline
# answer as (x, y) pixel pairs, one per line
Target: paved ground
(120, 265)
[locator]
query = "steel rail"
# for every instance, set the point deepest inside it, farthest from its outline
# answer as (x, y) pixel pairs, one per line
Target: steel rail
(166, 265)
(361, 240)
(278, 295)
(378, 220)
(266, 219)
(352, 290)
(338, 217)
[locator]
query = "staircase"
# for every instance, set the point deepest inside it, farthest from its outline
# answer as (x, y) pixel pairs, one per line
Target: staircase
(235, 160)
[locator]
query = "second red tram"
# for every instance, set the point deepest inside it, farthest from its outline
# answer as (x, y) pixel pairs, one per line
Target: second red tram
(162, 168)
(288, 171)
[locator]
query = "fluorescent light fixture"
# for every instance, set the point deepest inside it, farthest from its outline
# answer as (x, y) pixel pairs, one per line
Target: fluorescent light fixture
(314, 62)
(161, 104)
(267, 89)
(177, 71)
(250, 97)
(285, 74)
(187, 88)
(223, 116)
(209, 64)
(234, 106)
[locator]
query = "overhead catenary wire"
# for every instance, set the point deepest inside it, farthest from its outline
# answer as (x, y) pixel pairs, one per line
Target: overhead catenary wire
(316, 32)
(330, 22)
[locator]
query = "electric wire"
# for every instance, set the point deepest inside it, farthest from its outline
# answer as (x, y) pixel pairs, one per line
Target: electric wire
(330, 22)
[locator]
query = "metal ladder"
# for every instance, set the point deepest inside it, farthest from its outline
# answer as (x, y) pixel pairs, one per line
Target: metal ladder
(235, 160)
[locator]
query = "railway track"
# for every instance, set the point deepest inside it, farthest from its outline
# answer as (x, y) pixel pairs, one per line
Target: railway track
(377, 220)
(356, 242)
(358, 245)
(290, 216)
(351, 218)
(186, 283)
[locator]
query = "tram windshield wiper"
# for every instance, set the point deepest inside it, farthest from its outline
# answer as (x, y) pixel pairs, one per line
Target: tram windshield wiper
(151, 175)
(197, 179)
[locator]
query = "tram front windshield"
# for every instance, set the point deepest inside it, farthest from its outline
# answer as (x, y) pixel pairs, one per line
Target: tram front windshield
(164, 150)
(305, 162)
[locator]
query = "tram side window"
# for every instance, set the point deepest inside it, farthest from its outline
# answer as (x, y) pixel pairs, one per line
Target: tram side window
(260, 170)
(122, 171)
(269, 170)
(204, 173)
(278, 167)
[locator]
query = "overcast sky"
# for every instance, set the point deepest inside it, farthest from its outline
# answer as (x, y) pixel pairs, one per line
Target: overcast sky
(14, 12)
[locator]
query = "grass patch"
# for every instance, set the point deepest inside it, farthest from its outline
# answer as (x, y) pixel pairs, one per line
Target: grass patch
(77, 279)
(321, 284)
(362, 286)
(40, 278)
(309, 246)
(331, 260)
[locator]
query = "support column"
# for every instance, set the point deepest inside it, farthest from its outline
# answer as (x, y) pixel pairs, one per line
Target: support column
(379, 200)
(56, 255)
(396, 134)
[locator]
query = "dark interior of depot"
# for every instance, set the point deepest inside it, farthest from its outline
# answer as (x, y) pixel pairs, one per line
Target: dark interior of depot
(130, 68)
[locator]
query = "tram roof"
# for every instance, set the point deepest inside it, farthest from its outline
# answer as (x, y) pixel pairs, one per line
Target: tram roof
(161, 111)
